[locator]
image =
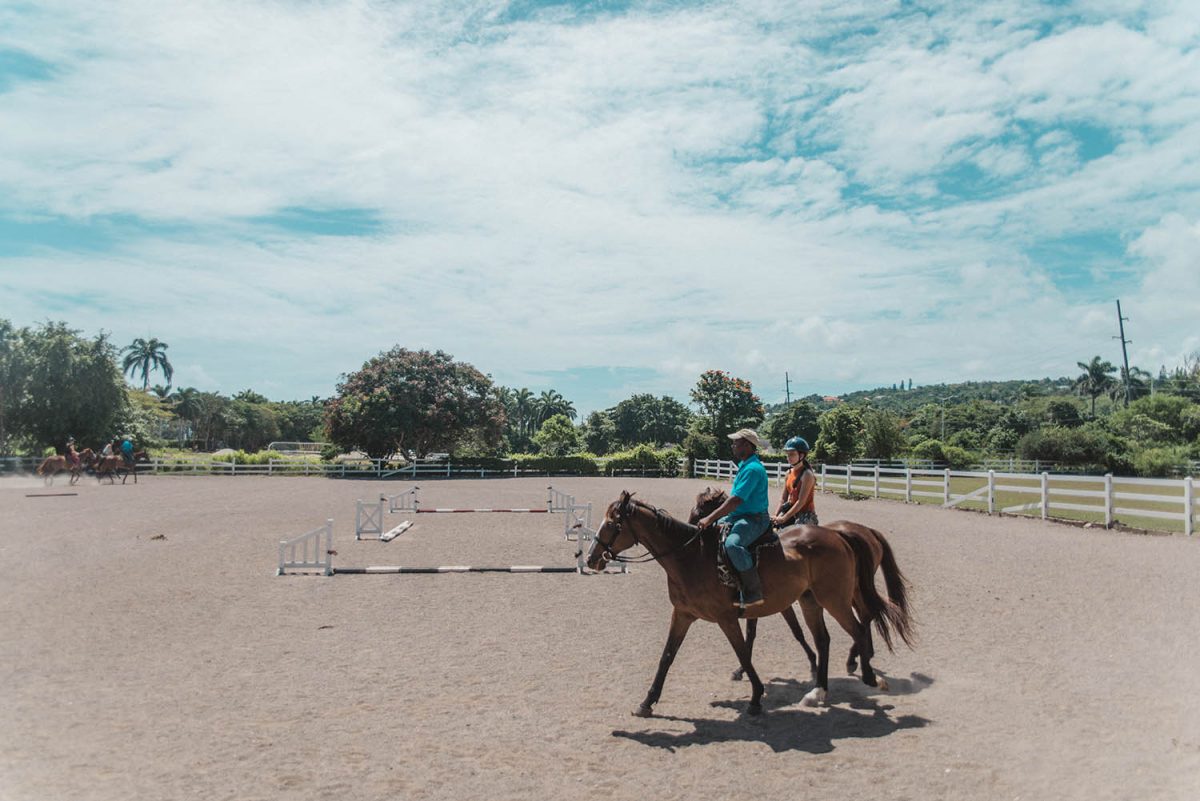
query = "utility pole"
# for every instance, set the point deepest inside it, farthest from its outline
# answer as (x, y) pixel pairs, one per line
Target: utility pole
(787, 387)
(1124, 351)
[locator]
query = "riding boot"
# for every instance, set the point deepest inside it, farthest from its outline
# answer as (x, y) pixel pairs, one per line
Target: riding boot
(751, 588)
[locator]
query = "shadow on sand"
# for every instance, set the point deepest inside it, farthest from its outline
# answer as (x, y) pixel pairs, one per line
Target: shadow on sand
(858, 712)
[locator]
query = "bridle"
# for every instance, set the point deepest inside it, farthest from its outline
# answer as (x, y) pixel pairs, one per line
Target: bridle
(650, 555)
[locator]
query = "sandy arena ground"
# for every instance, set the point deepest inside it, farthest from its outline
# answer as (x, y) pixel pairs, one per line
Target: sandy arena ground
(1054, 662)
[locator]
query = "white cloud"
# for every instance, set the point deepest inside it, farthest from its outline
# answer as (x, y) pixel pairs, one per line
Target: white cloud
(556, 192)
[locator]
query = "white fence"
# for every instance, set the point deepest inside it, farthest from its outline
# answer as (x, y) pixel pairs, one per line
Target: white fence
(307, 553)
(1100, 497)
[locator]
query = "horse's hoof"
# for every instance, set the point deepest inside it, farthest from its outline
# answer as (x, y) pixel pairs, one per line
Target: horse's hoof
(755, 708)
(814, 697)
(870, 680)
(851, 667)
(643, 712)
(883, 685)
(738, 675)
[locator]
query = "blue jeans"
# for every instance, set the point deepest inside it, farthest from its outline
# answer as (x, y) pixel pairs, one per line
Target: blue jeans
(745, 532)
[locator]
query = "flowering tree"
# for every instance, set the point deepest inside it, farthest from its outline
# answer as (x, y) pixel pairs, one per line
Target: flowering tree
(729, 404)
(417, 401)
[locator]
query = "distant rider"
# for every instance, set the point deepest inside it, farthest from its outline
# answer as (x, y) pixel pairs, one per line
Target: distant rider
(127, 450)
(747, 511)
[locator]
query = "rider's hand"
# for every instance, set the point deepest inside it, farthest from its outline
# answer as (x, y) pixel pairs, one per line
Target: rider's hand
(704, 522)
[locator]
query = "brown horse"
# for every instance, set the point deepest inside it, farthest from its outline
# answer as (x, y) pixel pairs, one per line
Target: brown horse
(53, 465)
(881, 557)
(116, 464)
(813, 565)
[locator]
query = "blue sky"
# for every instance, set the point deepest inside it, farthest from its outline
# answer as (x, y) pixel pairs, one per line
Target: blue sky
(607, 197)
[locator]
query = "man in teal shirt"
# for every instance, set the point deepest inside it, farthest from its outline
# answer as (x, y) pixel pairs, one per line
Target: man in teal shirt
(747, 511)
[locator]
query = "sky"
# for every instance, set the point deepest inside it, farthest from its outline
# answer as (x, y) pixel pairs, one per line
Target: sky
(606, 198)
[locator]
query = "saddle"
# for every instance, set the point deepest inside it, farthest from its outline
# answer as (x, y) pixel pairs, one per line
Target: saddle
(725, 571)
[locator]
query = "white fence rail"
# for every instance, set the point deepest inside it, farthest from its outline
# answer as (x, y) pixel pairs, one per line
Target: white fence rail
(307, 553)
(1101, 497)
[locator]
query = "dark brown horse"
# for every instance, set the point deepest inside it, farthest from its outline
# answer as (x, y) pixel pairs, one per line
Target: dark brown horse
(813, 565)
(116, 465)
(53, 465)
(881, 557)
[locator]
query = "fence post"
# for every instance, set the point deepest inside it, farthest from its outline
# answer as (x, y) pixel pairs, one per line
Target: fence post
(1045, 495)
(270, 466)
(1189, 507)
(876, 480)
(991, 492)
(1108, 500)
(946, 486)
(908, 485)
(822, 476)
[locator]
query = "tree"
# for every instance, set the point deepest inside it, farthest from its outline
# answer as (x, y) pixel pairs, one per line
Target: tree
(1096, 380)
(550, 403)
(1136, 381)
(418, 401)
(882, 437)
(61, 385)
(729, 403)
(145, 356)
(841, 435)
(599, 433)
(557, 436)
(797, 420)
(8, 379)
(644, 418)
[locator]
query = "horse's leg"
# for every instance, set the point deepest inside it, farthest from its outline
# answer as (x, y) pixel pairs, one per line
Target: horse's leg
(815, 618)
(844, 615)
(733, 633)
(680, 623)
(751, 633)
(789, 615)
(865, 616)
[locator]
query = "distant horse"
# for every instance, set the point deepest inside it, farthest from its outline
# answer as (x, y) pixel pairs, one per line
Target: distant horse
(881, 556)
(53, 465)
(116, 465)
(813, 565)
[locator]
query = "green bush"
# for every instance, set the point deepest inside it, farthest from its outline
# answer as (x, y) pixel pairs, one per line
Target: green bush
(1161, 462)
(241, 457)
(584, 465)
(669, 461)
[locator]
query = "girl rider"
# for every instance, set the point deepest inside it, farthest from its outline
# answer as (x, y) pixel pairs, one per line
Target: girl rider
(796, 507)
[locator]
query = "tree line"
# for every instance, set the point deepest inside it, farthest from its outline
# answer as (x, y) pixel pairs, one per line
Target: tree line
(412, 403)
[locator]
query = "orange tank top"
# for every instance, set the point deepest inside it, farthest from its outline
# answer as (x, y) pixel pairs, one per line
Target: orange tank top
(791, 490)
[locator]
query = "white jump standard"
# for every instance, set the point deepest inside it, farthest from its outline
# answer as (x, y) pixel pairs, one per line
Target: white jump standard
(368, 519)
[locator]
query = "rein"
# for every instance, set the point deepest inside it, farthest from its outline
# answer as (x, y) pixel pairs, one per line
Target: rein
(650, 555)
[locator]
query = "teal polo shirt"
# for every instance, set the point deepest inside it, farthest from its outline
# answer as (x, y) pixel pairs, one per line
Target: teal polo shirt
(750, 484)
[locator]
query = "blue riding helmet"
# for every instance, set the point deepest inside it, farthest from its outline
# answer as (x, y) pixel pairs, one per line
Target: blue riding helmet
(797, 444)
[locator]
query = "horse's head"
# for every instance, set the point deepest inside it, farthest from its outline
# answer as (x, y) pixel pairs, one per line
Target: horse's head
(615, 533)
(707, 502)
(86, 457)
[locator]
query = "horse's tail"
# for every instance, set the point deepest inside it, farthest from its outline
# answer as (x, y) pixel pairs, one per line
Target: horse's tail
(886, 614)
(41, 470)
(897, 583)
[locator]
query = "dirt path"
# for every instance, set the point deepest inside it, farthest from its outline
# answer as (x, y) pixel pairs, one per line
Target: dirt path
(1053, 662)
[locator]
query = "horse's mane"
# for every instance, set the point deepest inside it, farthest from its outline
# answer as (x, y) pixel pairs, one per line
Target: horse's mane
(665, 522)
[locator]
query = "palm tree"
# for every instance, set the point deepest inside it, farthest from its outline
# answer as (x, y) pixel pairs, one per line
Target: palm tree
(1136, 381)
(145, 356)
(1096, 380)
(550, 403)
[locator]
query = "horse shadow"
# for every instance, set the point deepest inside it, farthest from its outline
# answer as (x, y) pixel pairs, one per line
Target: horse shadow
(862, 715)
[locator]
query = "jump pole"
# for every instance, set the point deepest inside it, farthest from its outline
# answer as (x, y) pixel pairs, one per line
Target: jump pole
(383, 569)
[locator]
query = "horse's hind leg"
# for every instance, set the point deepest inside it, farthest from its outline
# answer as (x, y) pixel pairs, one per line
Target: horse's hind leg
(680, 623)
(815, 619)
(844, 615)
(733, 633)
(751, 634)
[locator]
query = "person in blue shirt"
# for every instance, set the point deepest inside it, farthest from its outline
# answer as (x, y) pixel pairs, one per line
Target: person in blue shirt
(747, 513)
(127, 449)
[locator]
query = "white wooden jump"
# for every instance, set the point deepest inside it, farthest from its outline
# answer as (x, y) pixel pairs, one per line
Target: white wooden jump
(308, 548)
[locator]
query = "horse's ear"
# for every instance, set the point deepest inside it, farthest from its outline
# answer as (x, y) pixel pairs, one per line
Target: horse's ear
(626, 503)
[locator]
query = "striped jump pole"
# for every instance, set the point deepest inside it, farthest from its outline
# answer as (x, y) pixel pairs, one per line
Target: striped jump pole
(393, 569)
(471, 511)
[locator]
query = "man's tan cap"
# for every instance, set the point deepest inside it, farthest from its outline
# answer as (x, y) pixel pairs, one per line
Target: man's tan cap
(751, 436)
